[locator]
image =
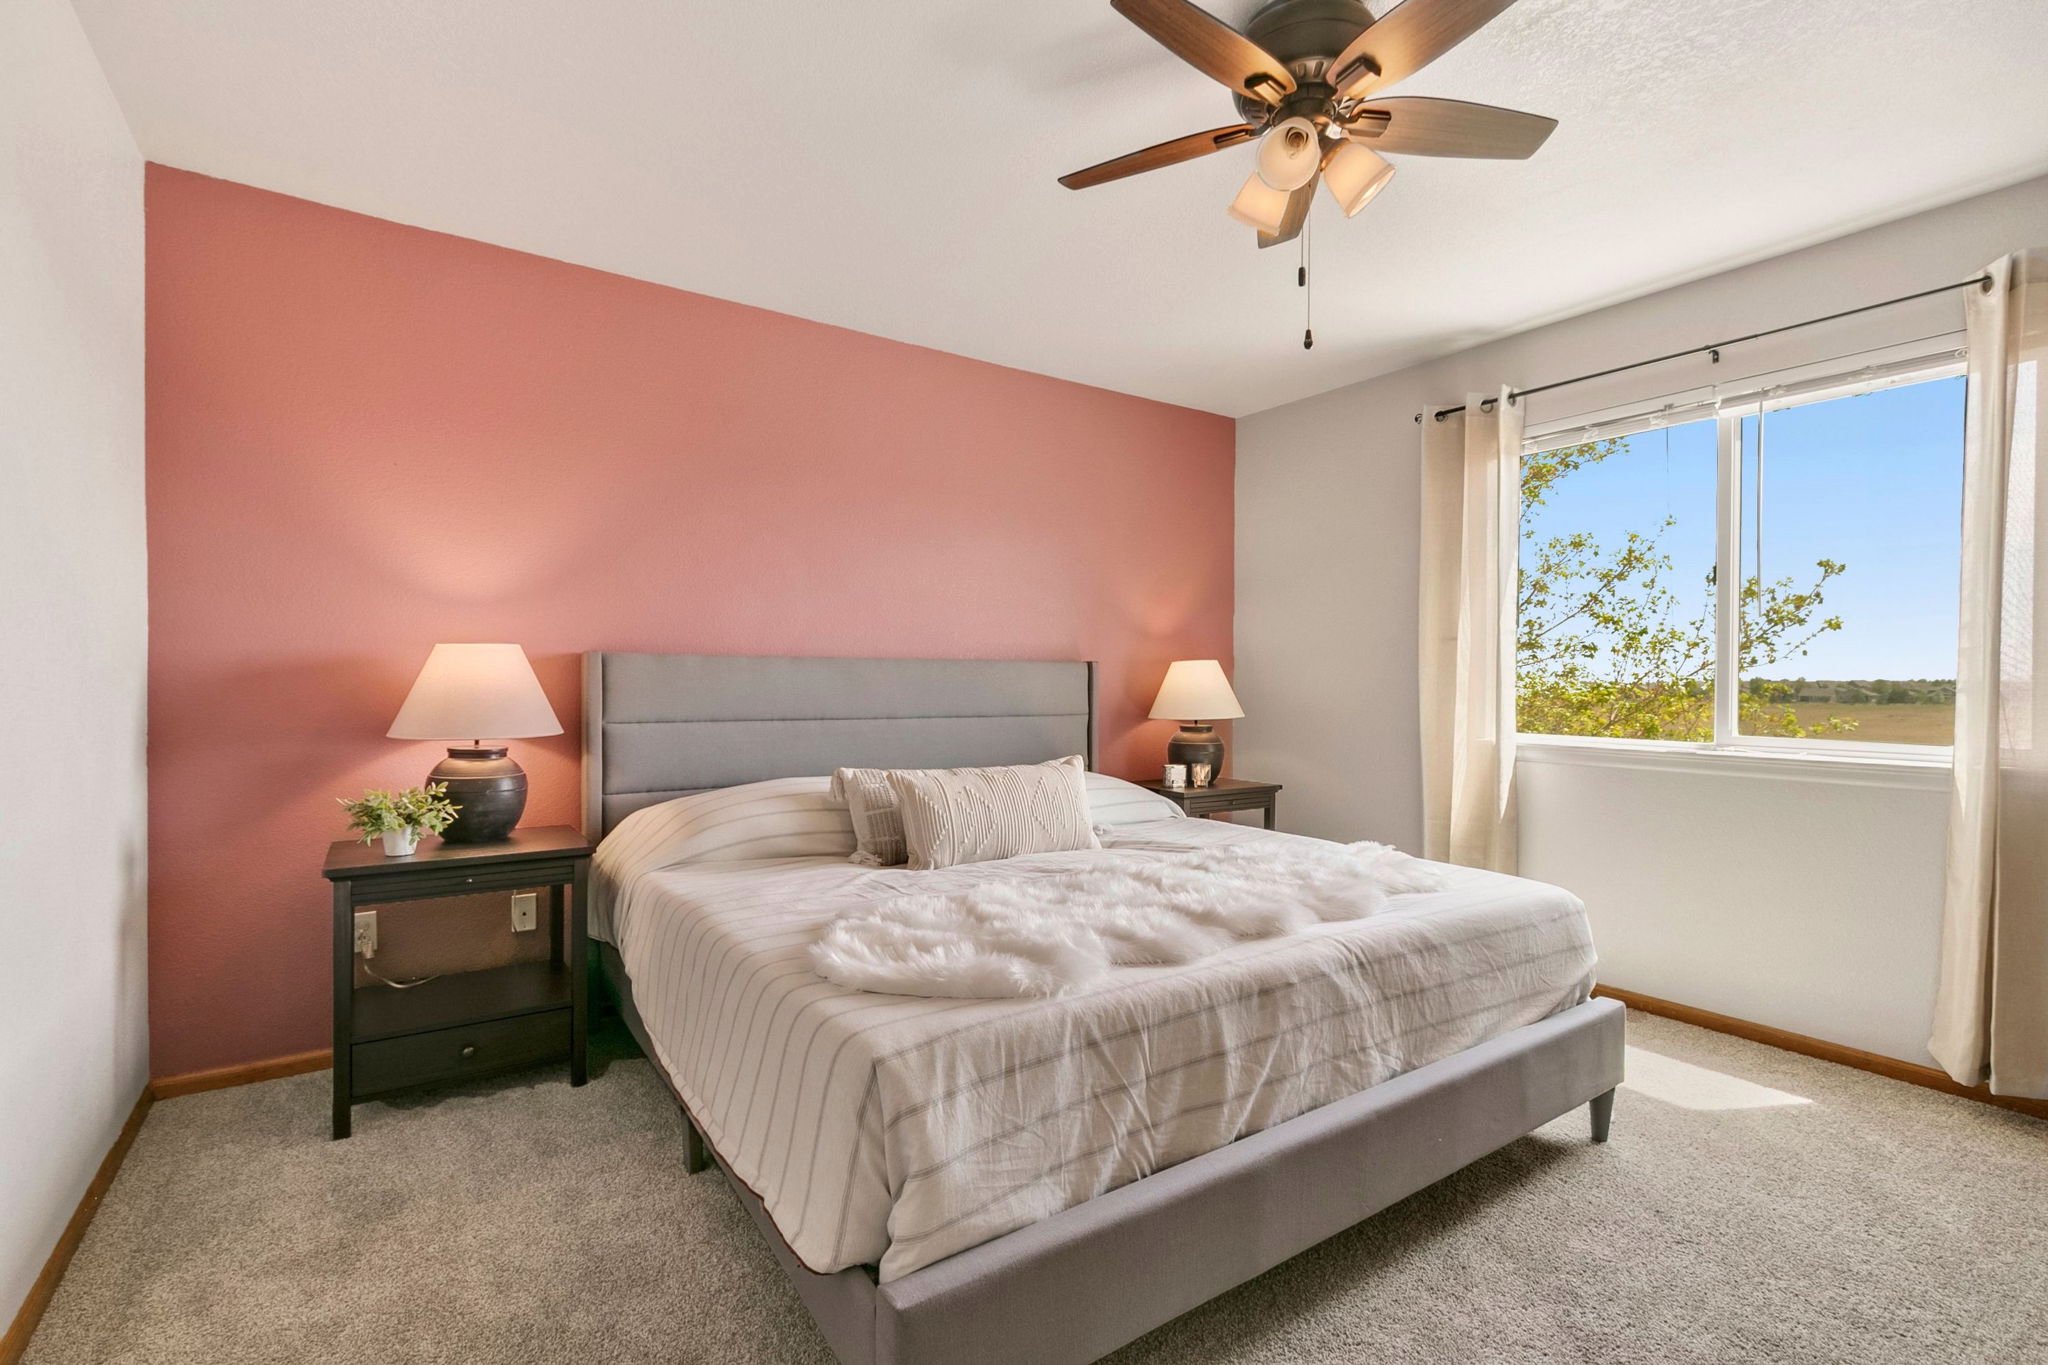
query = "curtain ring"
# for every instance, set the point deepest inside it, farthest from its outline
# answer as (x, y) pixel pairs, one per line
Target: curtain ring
(1984, 285)
(1441, 414)
(1488, 404)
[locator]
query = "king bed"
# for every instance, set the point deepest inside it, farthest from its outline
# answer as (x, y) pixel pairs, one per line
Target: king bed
(1034, 1179)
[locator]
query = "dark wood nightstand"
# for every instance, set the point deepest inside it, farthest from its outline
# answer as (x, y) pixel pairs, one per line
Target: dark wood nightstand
(467, 1023)
(1224, 794)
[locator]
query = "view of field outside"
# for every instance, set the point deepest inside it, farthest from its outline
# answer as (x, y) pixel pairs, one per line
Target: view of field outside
(1851, 537)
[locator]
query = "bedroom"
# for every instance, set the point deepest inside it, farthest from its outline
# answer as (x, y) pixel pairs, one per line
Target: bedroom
(778, 414)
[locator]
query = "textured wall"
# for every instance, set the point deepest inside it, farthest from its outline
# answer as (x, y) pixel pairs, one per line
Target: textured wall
(73, 1038)
(364, 438)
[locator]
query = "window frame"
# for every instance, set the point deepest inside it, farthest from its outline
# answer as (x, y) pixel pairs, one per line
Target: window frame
(1755, 396)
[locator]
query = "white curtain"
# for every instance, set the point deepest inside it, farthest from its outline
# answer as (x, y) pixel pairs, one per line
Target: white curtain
(1471, 510)
(1991, 1009)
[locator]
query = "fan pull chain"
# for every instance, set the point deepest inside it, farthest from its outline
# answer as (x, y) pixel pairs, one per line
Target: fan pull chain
(1308, 299)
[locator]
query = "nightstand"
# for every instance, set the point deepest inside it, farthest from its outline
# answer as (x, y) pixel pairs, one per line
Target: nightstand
(1224, 794)
(466, 1023)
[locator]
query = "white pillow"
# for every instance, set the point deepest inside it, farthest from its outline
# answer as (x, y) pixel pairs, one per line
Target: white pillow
(1113, 801)
(789, 817)
(976, 815)
(877, 826)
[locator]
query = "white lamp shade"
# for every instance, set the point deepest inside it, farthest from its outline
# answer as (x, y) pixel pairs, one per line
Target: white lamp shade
(1289, 154)
(1356, 174)
(475, 692)
(1195, 689)
(1259, 205)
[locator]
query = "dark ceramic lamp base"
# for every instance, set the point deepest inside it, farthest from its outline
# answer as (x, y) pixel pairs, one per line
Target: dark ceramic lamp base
(489, 787)
(1196, 744)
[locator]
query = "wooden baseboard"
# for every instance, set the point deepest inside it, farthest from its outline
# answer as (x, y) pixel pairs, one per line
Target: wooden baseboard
(15, 1344)
(248, 1073)
(1892, 1067)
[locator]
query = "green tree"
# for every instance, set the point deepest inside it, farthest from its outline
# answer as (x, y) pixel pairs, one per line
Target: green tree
(1606, 644)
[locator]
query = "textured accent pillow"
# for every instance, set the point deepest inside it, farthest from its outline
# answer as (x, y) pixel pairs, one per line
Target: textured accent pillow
(877, 827)
(1113, 801)
(975, 815)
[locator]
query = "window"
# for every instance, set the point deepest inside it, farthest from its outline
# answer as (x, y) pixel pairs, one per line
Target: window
(1840, 504)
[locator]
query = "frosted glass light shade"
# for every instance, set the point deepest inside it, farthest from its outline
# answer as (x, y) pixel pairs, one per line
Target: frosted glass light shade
(1195, 689)
(475, 692)
(1355, 174)
(1259, 205)
(1289, 154)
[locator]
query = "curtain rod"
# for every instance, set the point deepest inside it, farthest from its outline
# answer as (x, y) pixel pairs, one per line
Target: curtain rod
(1714, 348)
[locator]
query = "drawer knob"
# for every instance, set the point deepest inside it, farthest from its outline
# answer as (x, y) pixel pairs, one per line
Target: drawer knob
(469, 1049)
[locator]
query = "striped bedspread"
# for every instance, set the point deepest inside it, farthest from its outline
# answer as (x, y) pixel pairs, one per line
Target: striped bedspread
(891, 1131)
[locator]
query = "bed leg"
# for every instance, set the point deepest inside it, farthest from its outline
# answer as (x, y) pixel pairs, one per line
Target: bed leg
(695, 1157)
(1603, 1115)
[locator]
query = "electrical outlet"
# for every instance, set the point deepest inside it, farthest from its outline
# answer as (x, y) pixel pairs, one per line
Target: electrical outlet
(366, 933)
(525, 910)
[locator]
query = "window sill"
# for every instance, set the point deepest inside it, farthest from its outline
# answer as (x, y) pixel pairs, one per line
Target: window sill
(1912, 772)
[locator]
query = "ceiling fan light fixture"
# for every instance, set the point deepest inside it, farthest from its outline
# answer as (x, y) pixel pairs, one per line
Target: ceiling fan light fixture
(1289, 154)
(1259, 205)
(1356, 174)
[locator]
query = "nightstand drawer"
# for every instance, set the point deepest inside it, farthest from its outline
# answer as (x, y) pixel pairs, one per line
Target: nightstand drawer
(452, 1053)
(1198, 802)
(428, 882)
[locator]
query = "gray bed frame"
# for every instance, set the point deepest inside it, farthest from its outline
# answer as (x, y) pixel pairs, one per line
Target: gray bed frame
(1073, 1287)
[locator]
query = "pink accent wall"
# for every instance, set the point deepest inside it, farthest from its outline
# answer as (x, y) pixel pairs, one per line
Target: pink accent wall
(364, 438)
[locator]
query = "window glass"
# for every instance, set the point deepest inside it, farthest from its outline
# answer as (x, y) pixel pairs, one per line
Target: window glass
(1851, 546)
(1615, 600)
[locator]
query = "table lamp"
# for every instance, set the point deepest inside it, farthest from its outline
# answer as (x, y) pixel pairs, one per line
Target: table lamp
(468, 691)
(1196, 692)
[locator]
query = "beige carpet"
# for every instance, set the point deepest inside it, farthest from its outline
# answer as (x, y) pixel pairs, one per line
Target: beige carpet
(1753, 1206)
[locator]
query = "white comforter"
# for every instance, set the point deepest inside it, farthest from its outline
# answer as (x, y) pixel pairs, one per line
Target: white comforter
(895, 1131)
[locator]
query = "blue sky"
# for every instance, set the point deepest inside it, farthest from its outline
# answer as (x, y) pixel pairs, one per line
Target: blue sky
(1873, 481)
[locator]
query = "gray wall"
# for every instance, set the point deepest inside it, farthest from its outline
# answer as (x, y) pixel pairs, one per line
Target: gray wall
(1818, 916)
(74, 1048)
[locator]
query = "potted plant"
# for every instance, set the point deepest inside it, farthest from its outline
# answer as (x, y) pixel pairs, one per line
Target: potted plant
(400, 818)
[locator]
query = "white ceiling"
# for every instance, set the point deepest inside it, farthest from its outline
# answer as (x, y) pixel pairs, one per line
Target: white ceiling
(889, 165)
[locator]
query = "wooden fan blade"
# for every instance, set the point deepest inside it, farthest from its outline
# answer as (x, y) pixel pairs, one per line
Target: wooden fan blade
(1211, 46)
(1165, 154)
(1297, 214)
(1419, 126)
(1405, 39)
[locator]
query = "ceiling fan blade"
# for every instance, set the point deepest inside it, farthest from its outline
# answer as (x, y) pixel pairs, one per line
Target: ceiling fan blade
(1405, 39)
(1418, 126)
(1211, 46)
(1297, 214)
(1164, 154)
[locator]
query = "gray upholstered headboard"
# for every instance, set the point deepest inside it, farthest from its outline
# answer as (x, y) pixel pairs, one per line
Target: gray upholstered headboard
(659, 726)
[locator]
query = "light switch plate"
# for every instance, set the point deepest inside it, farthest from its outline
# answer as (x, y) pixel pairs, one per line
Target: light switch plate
(366, 932)
(525, 910)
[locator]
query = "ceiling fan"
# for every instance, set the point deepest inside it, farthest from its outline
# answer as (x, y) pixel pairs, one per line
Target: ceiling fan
(1307, 76)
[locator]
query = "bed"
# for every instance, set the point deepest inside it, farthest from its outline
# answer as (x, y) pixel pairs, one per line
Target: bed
(950, 1180)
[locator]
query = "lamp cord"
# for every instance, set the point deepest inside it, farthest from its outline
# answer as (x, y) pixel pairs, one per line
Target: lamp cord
(383, 980)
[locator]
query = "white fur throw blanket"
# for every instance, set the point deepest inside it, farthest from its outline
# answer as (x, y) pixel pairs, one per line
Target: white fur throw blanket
(1049, 935)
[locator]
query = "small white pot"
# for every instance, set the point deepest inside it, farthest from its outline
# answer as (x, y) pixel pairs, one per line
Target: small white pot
(401, 843)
